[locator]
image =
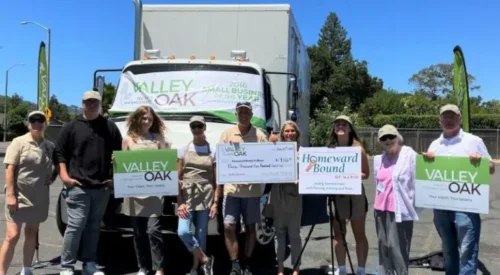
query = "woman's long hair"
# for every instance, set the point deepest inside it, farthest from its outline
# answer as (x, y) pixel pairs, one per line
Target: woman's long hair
(295, 126)
(134, 123)
(353, 137)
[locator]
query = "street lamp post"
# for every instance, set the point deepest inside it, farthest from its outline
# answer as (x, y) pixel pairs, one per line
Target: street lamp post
(48, 51)
(5, 100)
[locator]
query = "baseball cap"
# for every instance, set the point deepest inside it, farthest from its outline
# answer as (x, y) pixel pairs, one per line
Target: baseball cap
(449, 107)
(389, 130)
(91, 95)
(199, 119)
(35, 113)
(247, 105)
(343, 117)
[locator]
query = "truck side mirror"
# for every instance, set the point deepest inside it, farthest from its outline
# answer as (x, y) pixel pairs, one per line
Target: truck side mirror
(100, 89)
(293, 92)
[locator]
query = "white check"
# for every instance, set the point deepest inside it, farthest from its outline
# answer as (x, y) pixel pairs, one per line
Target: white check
(257, 162)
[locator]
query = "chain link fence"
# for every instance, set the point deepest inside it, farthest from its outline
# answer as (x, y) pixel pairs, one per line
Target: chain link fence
(420, 139)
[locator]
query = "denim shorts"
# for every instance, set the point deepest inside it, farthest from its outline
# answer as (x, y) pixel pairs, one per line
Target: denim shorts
(248, 208)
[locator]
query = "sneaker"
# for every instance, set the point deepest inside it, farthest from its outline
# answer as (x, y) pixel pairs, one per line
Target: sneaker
(235, 272)
(26, 271)
(359, 272)
(142, 272)
(194, 271)
(67, 272)
(90, 269)
(208, 266)
(247, 271)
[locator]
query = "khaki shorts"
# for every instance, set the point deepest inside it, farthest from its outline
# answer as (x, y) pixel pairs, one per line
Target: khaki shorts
(352, 207)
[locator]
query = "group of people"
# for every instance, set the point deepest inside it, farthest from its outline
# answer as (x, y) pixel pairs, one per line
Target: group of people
(83, 156)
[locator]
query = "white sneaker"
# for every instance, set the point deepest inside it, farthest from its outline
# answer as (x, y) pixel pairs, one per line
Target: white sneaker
(360, 272)
(26, 272)
(142, 272)
(67, 272)
(91, 269)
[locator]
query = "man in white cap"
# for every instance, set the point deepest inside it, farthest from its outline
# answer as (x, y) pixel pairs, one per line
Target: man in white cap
(459, 231)
(84, 151)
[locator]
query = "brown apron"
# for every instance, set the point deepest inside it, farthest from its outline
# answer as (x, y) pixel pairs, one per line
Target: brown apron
(197, 179)
(151, 206)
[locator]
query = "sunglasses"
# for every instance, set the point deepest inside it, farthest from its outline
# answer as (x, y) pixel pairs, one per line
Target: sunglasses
(196, 126)
(37, 119)
(387, 137)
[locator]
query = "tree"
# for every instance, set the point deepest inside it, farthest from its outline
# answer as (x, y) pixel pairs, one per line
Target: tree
(437, 80)
(385, 102)
(59, 111)
(108, 96)
(322, 125)
(335, 75)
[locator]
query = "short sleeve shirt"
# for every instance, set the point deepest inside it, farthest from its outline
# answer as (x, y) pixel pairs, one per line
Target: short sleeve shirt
(462, 145)
(233, 134)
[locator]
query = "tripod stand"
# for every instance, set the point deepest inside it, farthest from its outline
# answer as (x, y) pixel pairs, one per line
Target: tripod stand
(332, 203)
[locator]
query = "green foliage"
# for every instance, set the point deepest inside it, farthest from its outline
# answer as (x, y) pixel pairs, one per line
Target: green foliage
(335, 75)
(437, 80)
(383, 102)
(322, 125)
(479, 121)
(59, 111)
(108, 96)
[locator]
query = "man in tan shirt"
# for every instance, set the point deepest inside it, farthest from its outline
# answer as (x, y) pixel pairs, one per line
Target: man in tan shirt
(241, 199)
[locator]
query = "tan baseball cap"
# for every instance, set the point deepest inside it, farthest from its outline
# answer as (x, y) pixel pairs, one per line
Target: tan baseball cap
(34, 113)
(450, 107)
(389, 130)
(343, 117)
(91, 95)
(199, 119)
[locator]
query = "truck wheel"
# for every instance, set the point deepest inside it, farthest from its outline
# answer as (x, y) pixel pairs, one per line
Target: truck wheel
(60, 223)
(264, 231)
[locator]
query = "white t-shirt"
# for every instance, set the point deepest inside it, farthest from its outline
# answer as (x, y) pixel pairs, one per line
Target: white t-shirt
(203, 149)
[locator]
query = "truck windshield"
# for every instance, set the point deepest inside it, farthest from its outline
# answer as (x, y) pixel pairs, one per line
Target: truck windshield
(181, 90)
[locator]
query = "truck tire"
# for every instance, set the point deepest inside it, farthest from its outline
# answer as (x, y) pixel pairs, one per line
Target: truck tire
(265, 231)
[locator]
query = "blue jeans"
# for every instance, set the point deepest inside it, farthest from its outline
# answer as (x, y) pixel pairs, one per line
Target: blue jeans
(460, 234)
(86, 208)
(200, 221)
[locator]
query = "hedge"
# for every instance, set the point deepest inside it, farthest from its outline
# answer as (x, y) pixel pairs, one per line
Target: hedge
(478, 121)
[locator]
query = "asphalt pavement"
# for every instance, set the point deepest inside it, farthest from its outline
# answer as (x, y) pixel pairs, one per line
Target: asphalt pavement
(116, 255)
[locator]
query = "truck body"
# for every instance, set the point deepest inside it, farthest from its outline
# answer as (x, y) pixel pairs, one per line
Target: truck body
(202, 60)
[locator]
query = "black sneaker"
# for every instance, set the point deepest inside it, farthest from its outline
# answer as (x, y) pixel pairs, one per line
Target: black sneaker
(235, 272)
(208, 266)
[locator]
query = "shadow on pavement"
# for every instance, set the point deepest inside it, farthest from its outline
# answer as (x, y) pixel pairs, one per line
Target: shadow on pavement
(117, 255)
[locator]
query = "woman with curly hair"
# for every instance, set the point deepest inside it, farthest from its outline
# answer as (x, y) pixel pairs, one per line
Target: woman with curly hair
(146, 132)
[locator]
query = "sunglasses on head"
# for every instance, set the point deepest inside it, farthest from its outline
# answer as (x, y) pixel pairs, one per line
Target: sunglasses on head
(196, 125)
(36, 119)
(387, 137)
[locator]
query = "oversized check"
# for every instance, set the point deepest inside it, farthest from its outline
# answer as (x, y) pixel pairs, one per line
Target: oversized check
(452, 183)
(257, 162)
(145, 173)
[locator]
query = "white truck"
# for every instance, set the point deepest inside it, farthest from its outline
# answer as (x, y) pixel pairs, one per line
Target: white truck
(202, 60)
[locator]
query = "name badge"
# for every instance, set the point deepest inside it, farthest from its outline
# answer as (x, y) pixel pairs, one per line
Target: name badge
(380, 186)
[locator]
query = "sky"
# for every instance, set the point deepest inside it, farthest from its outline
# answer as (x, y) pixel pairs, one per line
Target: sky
(396, 38)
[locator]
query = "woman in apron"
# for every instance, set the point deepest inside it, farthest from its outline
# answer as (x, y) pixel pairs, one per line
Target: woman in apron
(285, 206)
(198, 194)
(29, 172)
(146, 132)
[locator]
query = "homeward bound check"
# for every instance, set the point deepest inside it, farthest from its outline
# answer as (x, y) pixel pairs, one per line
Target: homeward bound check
(145, 173)
(257, 163)
(330, 171)
(452, 183)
